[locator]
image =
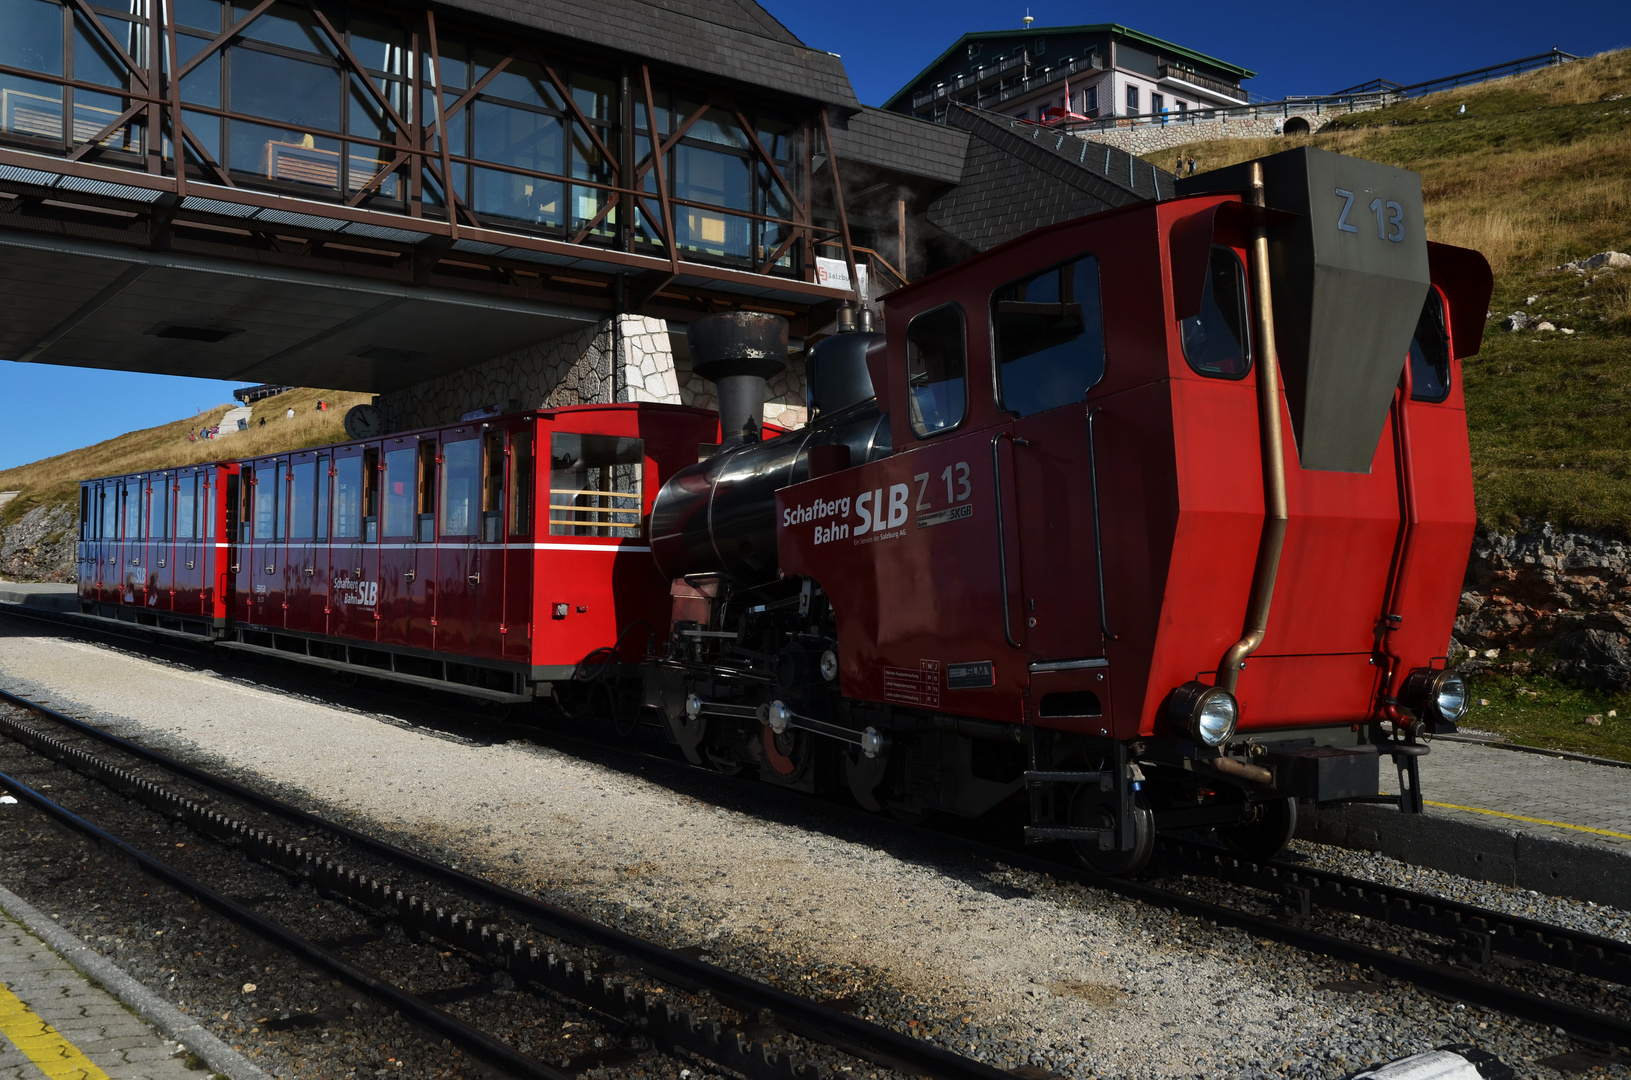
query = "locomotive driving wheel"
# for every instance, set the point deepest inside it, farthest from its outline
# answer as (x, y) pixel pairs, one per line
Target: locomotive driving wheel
(788, 755)
(1091, 808)
(1264, 830)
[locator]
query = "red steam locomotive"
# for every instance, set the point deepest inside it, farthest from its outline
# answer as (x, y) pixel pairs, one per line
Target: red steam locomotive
(1151, 520)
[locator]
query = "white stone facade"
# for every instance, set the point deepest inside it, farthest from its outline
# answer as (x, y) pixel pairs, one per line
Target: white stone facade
(576, 369)
(1149, 138)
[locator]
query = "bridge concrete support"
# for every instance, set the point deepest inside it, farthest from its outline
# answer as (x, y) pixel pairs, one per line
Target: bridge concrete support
(577, 368)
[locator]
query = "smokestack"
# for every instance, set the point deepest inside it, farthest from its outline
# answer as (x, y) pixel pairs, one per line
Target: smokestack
(738, 351)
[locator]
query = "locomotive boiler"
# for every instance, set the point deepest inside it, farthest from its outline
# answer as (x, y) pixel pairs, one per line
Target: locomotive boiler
(1151, 520)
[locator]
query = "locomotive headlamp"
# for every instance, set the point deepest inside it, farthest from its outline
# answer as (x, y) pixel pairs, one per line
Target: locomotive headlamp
(1207, 714)
(1435, 695)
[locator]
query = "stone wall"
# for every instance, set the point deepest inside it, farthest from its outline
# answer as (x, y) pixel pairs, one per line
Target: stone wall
(1548, 600)
(576, 369)
(1149, 138)
(41, 545)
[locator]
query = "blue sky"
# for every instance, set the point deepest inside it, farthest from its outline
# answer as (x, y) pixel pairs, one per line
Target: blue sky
(1296, 48)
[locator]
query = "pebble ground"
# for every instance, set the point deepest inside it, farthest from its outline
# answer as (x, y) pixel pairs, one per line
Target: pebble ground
(1016, 968)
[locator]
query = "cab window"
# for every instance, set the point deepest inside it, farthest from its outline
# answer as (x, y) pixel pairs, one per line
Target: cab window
(1430, 352)
(936, 371)
(1217, 342)
(1049, 336)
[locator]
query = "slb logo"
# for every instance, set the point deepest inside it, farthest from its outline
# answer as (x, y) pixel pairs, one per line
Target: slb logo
(368, 593)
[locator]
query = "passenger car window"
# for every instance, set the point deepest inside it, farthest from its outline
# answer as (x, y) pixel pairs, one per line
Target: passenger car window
(936, 370)
(461, 487)
(595, 485)
(347, 497)
(401, 490)
(1049, 337)
(1430, 352)
(1217, 342)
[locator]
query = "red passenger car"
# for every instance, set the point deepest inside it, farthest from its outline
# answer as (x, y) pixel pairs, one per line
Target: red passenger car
(153, 548)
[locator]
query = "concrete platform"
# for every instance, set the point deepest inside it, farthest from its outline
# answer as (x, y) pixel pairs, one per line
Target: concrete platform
(48, 596)
(67, 1013)
(1529, 820)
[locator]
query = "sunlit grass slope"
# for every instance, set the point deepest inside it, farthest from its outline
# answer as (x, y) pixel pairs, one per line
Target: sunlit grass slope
(1536, 172)
(55, 480)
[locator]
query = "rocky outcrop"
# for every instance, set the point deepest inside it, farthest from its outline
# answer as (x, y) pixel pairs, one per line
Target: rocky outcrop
(40, 545)
(1548, 600)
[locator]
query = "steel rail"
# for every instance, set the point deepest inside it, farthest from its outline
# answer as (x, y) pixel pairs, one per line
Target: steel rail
(1482, 931)
(799, 1015)
(410, 1006)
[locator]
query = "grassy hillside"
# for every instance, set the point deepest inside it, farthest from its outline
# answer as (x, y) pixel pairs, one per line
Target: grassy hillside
(1535, 173)
(55, 480)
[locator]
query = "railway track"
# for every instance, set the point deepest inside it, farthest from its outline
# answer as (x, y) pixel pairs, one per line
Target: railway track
(1455, 950)
(612, 978)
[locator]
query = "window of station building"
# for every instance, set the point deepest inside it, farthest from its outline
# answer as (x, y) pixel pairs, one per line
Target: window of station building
(595, 485)
(730, 205)
(1217, 342)
(1430, 352)
(401, 491)
(1158, 103)
(1132, 100)
(461, 487)
(1090, 101)
(492, 486)
(936, 371)
(302, 500)
(348, 497)
(41, 37)
(1049, 334)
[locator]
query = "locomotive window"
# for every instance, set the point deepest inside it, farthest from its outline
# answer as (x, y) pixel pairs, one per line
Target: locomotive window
(492, 486)
(1050, 337)
(425, 511)
(594, 485)
(1216, 342)
(401, 480)
(936, 370)
(302, 500)
(461, 487)
(1430, 352)
(322, 496)
(521, 483)
(347, 498)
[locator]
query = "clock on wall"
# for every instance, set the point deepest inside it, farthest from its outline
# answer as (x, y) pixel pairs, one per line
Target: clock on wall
(364, 422)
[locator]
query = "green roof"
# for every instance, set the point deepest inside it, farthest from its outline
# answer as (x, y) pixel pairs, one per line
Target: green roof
(1094, 28)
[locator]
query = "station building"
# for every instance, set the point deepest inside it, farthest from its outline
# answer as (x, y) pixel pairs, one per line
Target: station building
(1106, 69)
(476, 204)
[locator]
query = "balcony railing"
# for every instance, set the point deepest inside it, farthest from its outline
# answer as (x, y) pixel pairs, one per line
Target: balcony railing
(976, 78)
(1217, 86)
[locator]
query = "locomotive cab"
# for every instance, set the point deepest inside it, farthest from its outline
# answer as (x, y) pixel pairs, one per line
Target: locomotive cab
(1156, 519)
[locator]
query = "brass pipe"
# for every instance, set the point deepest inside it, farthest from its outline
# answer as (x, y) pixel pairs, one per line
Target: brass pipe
(1274, 462)
(1227, 766)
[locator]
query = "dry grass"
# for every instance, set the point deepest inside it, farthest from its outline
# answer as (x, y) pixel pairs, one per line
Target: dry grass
(55, 479)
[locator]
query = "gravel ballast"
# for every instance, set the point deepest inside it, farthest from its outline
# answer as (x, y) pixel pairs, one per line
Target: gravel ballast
(1012, 967)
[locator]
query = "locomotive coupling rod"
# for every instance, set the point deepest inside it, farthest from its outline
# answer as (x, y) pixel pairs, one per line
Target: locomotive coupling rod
(778, 718)
(1274, 462)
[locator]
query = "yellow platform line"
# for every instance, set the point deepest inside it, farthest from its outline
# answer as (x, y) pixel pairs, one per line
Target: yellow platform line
(1531, 820)
(56, 1056)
